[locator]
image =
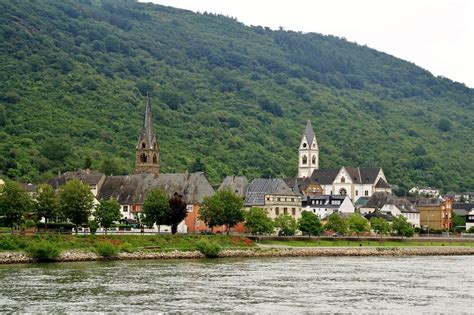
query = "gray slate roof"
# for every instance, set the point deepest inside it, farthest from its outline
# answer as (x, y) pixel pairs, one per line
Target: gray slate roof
(359, 175)
(260, 187)
(237, 184)
(133, 189)
(379, 199)
(309, 132)
(90, 177)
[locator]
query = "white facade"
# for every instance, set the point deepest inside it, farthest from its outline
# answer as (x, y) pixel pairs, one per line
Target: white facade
(411, 216)
(308, 156)
(324, 206)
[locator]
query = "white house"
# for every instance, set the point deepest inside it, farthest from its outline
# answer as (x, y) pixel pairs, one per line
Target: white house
(424, 191)
(325, 205)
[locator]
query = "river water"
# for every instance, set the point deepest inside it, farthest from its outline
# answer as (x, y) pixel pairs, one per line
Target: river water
(264, 285)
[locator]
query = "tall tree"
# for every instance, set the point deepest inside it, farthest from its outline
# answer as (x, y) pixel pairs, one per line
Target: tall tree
(336, 223)
(46, 204)
(76, 202)
(310, 224)
(287, 224)
(107, 212)
(358, 224)
(258, 222)
(380, 226)
(156, 208)
(177, 210)
(222, 208)
(14, 203)
(402, 226)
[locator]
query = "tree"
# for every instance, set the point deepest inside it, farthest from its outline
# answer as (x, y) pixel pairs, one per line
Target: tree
(156, 208)
(76, 202)
(14, 203)
(107, 212)
(222, 208)
(177, 212)
(402, 226)
(444, 124)
(310, 224)
(458, 221)
(380, 226)
(197, 166)
(46, 204)
(258, 222)
(336, 223)
(357, 224)
(287, 224)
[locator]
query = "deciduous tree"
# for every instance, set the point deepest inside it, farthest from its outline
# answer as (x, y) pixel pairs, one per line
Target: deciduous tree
(402, 226)
(380, 226)
(310, 224)
(357, 224)
(177, 211)
(287, 224)
(258, 222)
(14, 203)
(156, 208)
(46, 204)
(222, 208)
(336, 223)
(76, 202)
(107, 212)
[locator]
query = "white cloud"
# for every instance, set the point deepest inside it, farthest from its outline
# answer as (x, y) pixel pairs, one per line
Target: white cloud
(437, 35)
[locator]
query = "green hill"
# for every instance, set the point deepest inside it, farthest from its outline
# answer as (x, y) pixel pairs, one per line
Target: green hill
(73, 75)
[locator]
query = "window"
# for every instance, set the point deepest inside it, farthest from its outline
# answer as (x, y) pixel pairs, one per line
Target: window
(357, 193)
(125, 208)
(285, 210)
(293, 211)
(278, 199)
(304, 145)
(313, 160)
(342, 191)
(143, 158)
(366, 193)
(343, 179)
(268, 198)
(314, 145)
(143, 145)
(155, 160)
(189, 208)
(277, 211)
(292, 199)
(304, 160)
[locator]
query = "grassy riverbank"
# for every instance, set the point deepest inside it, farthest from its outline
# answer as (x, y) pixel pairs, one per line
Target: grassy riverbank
(364, 243)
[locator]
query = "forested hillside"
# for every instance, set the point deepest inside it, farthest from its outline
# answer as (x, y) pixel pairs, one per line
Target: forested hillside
(73, 75)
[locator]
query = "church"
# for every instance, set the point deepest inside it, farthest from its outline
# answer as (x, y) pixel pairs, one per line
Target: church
(354, 182)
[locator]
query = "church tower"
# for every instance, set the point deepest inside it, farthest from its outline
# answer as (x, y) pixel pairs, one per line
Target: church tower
(147, 157)
(308, 152)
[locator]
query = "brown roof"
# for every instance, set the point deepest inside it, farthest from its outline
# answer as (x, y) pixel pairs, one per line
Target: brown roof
(381, 183)
(133, 189)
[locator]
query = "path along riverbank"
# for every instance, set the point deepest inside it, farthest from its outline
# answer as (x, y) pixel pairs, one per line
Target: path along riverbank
(71, 256)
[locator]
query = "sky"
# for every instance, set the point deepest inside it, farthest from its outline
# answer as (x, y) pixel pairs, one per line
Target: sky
(437, 35)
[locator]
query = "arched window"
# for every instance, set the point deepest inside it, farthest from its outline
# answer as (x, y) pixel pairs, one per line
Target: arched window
(313, 160)
(304, 160)
(314, 145)
(143, 145)
(155, 160)
(342, 191)
(304, 145)
(143, 158)
(343, 180)
(154, 146)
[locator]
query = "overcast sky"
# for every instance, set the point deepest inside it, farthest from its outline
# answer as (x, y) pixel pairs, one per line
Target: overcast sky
(437, 35)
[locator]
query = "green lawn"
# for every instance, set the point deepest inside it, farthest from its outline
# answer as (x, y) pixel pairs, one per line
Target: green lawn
(355, 243)
(125, 242)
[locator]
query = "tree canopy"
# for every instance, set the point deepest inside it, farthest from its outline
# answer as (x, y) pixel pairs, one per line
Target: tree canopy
(258, 222)
(287, 225)
(309, 223)
(76, 202)
(107, 212)
(223, 208)
(14, 203)
(156, 208)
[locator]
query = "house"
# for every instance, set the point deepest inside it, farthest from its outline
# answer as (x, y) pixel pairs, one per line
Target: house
(325, 205)
(393, 206)
(273, 195)
(424, 191)
(435, 213)
(93, 178)
(304, 186)
(237, 184)
(465, 210)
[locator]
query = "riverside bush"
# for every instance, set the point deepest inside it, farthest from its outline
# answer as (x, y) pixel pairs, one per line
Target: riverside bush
(107, 250)
(43, 251)
(208, 248)
(126, 247)
(7, 243)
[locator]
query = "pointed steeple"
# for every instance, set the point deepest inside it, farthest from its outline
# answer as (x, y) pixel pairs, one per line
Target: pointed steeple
(309, 132)
(148, 121)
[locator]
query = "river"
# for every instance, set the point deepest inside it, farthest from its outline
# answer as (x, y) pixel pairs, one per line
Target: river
(266, 285)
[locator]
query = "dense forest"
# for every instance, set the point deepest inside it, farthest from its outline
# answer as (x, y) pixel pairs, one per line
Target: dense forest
(227, 98)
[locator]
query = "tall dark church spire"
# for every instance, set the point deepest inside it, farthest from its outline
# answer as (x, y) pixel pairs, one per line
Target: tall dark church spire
(147, 158)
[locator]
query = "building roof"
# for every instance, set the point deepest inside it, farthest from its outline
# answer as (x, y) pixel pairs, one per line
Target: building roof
(462, 209)
(428, 202)
(362, 201)
(381, 183)
(147, 131)
(378, 214)
(90, 177)
(28, 187)
(260, 187)
(379, 199)
(359, 175)
(237, 184)
(325, 176)
(309, 132)
(299, 184)
(133, 189)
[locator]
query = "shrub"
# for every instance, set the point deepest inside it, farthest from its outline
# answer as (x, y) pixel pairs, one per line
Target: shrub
(43, 251)
(106, 249)
(126, 247)
(208, 249)
(7, 243)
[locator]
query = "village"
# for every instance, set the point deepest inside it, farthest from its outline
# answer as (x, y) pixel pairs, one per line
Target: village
(343, 191)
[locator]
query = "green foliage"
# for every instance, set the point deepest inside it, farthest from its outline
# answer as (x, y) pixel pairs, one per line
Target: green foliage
(337, 224)
(14, 203)
(156, 208)
(107, 212)
(380, 226)
(401, 225)
(223, 208)
(258, 222)
(310, 224)
(287, 225)
(107, 249)
(458, 222)
(177, 211)
(208, 248)
(76, 202)
(7, 242)
(444, 124)
(43, 251)
(46, 203)
(357, 224)
(74, 75)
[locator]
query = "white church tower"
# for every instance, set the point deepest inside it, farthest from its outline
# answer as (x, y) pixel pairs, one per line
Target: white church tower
(308, 152)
